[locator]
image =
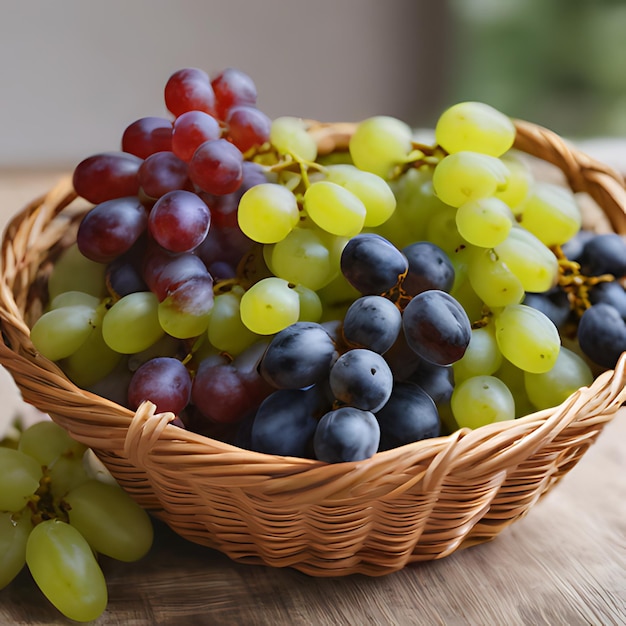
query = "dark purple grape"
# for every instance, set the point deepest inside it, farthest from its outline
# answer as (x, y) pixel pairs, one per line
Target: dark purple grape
(610, 293)
(361, 378)
(402, 359)
(602, 334)
(372, 322)
(191, 130)
(107, 176)
(436, 380)
(217, 167)
(232, 87)
(161, 173)
(189, 89)
(179, 221)
(346, 434)
(248, 127)
(554, 304)
(604, 254)
(147, 135)
(429, 268)
(409, 415)
(371, 264)
(436, 327)
(111, 228)
(164, 381)
(123, 277)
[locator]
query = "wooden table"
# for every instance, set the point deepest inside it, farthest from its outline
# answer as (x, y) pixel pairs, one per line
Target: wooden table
(563, 564)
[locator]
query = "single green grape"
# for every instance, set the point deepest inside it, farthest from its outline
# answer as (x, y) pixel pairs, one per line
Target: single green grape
(73, 271)
(311, 308)
(226, 331)
(73, 298)
(14, 532)
(269, 306)
(492, 280)
(485, 222)
(334, 209)
(46, 441)
(482, 357)
(289, 136)
(481, 400)
(19, 479)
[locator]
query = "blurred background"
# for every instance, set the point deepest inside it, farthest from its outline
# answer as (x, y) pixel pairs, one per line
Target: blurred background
(74, 74)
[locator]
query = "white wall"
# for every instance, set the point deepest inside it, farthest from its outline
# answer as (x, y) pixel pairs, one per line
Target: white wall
(74, 73)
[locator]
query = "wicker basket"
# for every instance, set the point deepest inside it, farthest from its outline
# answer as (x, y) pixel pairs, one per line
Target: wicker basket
(418, 502)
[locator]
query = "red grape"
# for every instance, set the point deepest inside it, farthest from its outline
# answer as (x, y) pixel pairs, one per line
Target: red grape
(192, 129)
(164, 272)
(217, 167)
(232, 87)
(147, 135)
(162, 172)
(248, 127)
(189, 89)
(107, 176)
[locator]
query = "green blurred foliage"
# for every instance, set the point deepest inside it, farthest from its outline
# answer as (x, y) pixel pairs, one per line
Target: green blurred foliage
(559, 63)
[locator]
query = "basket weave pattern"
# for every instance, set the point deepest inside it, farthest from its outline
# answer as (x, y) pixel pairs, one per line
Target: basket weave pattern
(419, 502)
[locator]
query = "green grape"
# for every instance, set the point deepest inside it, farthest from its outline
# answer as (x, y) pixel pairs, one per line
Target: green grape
(465, 295)
(548, 389)
(474, 126)
(513, 378)
(65, 569)
(311, 308)
(481, 400)
(380, 143)
(66, 473)
(374, 192)
(60, 332)
(442, 230)
(14, 531)
(519, 182)
(19, 479)
(534, 264)
(132, 323)
(303, 258)
(269, 306)
(46, 441)
(74, 272)
(334, 209)
(464, 176)
(336, 297)
(226, 331)
(110, 520)
(73, 298)
(527, 338)
(184, 323)
(289, 136)
(485, 222)
(482, 357)
(267, 212)
(395, 229)
(492, 280)
(551, 213)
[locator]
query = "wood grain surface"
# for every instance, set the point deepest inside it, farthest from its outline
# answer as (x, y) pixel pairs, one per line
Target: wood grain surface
(563, 564)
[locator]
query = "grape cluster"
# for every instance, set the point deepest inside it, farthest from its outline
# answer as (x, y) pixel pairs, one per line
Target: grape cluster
(57, 512)
(327, 306)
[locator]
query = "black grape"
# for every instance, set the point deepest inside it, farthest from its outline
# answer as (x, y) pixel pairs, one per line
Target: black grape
(610, 293)
(602, 334)
(604, 254)
(429, 268)
(372, 322)
(553, 303)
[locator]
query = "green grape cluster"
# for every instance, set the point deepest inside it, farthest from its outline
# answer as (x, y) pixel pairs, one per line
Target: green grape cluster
(57, 515)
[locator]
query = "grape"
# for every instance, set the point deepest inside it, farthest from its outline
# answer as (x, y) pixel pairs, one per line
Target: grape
(14, 531)
(551, 214)
(362, 379)
(602, 334)
(73, 271)
(74, 298)
(60, 332)
(19, 479)
(553, 303)
(436, 327)
(62, 564)
(484, 222)
(286, 421)
(573, 249)
(346, 434)
(482, 400)
(527, 338)
(548, 389)
(482, 357)
(107, 176)
(492, 279)
(226, 331)
(248, 127)
(436, 380)
(132, 323)
(519, 182)
(185, 312)
(372, 264)
(189, 89)
(66, 473)
(409, 415)
(233, 87)
(111, 228)
(123, 276)
(429, 268)
(268, 212)
(372, 322)
(464, 176)
(443, 232)
(610, 293)
(311, 308)
(217, 167)
(402, 359)
(46, 441)
(112, 523)
(474, 126)
(146, 136)
(161, 173)
(381, 143)
(604, 254)
(334, 208)
(165, 272)
(289, 136)
(164, 381)
(191, 130)
(298, 356)
(269, 306)
(373, 191)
